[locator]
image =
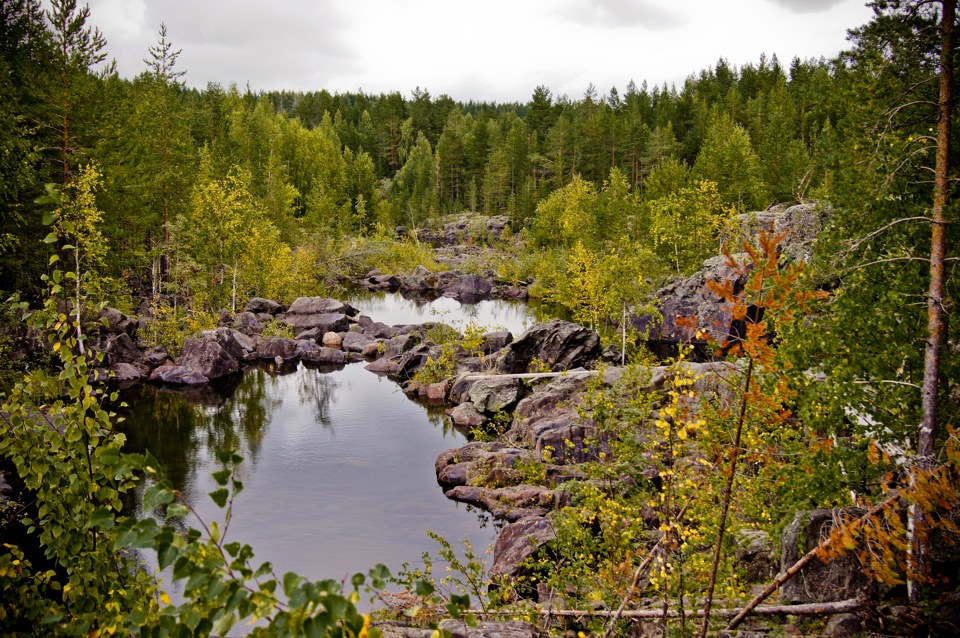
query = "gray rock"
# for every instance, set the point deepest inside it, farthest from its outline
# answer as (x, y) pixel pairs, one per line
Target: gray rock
(560, 344)
(178, 375)
(496, 341)
(371, 350)
(561, 437)
(495, 394)
(273, 347)
(843, 626)
(120, 348)
(155, 356)
(320, 306)
(468, 289)
(314, 353)
(840, 579)
(516, 543)
(412, 360)
(207, 357)
(115, 322)
(127, 372)
(259, 305)
(230, 340)
(323, 322)
(378, 330)
(490, 629)
(247, 323)
(467, 416)
(356, 341)
(383, 366)
(509, 503)
(755, 555)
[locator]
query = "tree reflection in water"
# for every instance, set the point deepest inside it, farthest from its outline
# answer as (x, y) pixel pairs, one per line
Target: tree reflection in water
(319, 391)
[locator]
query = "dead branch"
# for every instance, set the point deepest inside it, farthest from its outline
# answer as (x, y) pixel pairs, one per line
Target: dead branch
(880, 230)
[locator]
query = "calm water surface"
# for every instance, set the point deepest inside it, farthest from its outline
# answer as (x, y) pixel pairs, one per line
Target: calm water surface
(339, 463)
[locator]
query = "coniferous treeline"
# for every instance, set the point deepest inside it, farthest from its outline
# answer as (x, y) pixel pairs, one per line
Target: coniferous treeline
(317, 164)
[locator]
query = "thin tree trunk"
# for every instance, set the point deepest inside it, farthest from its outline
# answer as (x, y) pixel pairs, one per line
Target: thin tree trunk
(935, 320)
(727, 497)
(79, 308)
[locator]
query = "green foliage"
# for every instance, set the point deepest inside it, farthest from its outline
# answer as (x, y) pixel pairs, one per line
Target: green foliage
(170, 326)
(427, 596)
(727, 159)
(69, 459)
(685, 225)
(275, 328)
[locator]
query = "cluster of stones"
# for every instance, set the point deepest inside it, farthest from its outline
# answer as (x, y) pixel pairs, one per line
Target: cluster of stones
(326, 331)
(423, 284)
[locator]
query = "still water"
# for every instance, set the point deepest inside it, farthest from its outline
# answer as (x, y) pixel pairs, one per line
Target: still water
(338, 469)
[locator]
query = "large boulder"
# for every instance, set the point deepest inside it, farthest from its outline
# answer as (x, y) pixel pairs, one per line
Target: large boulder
(802, 224)
(466, 416)
(324, 314)
(178, 375)
(319, 323)
(314, 353)
(208, 358)
(115, 322)
(272, 348)
(468, 289)
(838, 579)
(125, 373)
(247, 323)
(320, 306)
(259, 305)
(516, 543)
(120, 348)
(356, 341)
(495, 394)
(559, 344)
(240, 346)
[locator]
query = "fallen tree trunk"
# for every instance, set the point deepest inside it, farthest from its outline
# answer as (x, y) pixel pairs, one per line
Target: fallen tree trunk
(809, 556)
(808, 609)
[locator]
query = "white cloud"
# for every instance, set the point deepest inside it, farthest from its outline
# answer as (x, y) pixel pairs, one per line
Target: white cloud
(495, 51)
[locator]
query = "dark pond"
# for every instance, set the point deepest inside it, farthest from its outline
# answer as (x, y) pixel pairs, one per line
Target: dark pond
(339, 463)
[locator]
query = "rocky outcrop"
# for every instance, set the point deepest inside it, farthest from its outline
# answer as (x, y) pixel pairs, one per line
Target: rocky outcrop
(495, 394)
(802, 224)
(516, 543)
(691, 310)
(560, 345)
(692, 313)
(839, 579)
(461, 229)
(319, 313)
(260, 306)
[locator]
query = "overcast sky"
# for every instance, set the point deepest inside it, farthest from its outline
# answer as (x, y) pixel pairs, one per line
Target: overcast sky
(495, 50)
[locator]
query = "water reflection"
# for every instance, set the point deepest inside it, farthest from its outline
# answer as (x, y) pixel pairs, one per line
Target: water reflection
(394, 309)
(338, 473)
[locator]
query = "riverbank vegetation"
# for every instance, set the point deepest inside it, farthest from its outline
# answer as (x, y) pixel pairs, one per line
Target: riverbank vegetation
(161, 199)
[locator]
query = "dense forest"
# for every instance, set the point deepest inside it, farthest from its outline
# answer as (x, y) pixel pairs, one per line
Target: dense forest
(144, 192)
